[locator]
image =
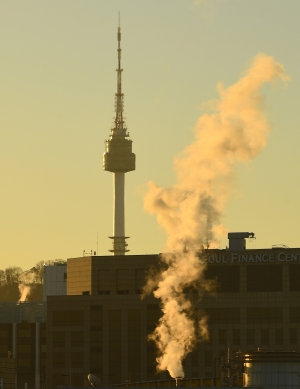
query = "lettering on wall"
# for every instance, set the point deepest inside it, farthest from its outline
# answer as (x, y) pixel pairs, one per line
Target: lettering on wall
(253, 258)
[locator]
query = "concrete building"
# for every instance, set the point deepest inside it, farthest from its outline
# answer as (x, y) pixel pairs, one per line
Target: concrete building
(23, 311)
(55, 280)
(101, 325)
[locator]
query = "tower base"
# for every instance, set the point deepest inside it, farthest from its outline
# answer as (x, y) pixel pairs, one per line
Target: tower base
(119, 245)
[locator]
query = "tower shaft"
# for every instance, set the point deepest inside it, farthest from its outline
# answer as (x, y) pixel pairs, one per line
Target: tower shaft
(119, 211)
(119, 159)
(119, 238)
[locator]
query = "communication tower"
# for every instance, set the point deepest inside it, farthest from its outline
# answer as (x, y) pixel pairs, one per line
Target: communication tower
(119, 159)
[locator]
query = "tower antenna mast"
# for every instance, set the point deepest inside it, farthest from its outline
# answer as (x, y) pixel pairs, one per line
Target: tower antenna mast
(119, 159)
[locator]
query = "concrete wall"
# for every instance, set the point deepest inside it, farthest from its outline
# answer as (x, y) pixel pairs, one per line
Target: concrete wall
(55, 280)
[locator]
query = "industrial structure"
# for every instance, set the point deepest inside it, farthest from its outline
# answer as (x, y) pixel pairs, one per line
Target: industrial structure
(270, 370)
(119, 159)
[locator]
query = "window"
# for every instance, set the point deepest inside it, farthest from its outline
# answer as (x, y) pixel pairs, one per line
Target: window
(278, 336)
(77, 379)
(77, 359)
(24, 348)
(123, 282)
(3, 334)
(195, 358)
(24, 362)
(223, 315)
(24, 333)
(207, 358)
(264, 315)
(58, 379)
(96, 361)
(222, 336)
(77, 339)
(59, 338)
(250, 336)
(295, 314)
(59, 359)
(96, 339)
(293, 336)
(140, 280)
(106, 281)
(115, 344)
(264, 337)
(294, 277)
(96, 315)
(227, 277)
(67, 318)
(236, 336)
(264, 278)
(134, 344)
(153, 315)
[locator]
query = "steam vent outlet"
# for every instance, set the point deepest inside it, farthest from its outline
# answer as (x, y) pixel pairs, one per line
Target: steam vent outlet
(178, 379)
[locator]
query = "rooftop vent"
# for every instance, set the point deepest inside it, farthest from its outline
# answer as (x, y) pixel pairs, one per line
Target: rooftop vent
(237, 240)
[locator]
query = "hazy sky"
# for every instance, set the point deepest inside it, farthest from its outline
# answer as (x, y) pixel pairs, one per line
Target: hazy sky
(57, 85)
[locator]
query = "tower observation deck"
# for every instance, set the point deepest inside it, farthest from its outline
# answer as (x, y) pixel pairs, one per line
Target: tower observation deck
(119, 159)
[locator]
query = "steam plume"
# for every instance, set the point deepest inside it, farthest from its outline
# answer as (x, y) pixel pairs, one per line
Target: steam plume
(26, 280)
(190, 212)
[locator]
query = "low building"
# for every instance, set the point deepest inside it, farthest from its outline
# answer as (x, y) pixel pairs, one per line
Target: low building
(23, 338)
(7, 372)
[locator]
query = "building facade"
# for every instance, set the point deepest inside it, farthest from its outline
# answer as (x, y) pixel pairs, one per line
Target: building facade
(101, 325)
(7, 372)
(23, 350)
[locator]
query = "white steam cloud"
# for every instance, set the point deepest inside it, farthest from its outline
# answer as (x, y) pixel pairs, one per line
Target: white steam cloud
(190, 211)
(26, 280)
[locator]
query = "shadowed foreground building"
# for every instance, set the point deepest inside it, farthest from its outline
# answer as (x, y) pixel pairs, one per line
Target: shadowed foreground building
(7, 372)
(24, 342)
(101, 325)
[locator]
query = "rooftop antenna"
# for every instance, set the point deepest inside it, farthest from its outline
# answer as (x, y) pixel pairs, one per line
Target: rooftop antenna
(97, 244)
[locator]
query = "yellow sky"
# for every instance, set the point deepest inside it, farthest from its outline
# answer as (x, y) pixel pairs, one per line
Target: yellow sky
(57, 84)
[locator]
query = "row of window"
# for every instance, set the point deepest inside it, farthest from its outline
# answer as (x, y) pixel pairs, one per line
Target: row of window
(153, 313)
(76, 359)
(223, 335)
(265, 336)
(68, 380)
(266, 278)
